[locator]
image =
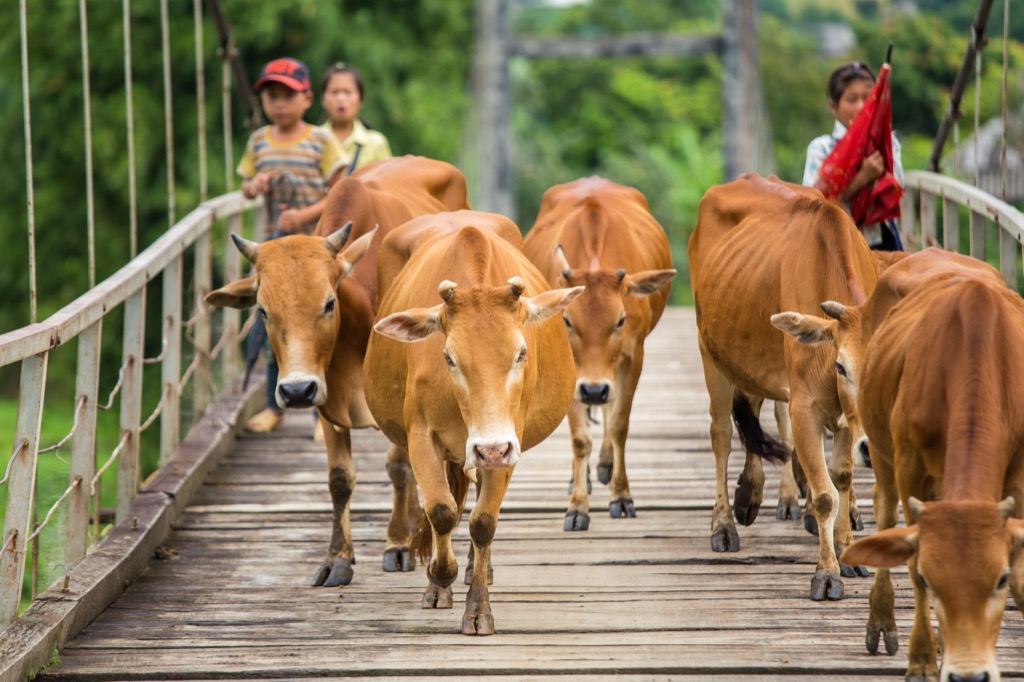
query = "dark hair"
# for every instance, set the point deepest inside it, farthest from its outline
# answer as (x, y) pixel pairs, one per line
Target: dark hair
(843, 75)
(342, 67)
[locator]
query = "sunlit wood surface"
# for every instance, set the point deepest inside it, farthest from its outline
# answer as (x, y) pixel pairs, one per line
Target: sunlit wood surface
(644, 598)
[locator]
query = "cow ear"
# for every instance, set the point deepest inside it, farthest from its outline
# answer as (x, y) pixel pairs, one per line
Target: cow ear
(1015, 527)
(806, 328)
(545, 305)
(414, 324)
(884, 549)
(238, 294)
(355, 252)
(647, 281)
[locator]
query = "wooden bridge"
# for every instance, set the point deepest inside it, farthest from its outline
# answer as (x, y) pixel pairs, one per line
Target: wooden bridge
(227, 594)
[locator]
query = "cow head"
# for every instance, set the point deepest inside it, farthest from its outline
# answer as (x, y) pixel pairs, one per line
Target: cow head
(294, 288)
(486, 354)
(963, 551)
(605, 323)
(842, 330)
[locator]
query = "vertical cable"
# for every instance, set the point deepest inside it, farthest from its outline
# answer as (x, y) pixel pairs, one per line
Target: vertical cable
(1002, 160)
(197, 13)
(165, 41)
(225, 79)
(28, 165)
(133, 220)
(977, 117)
(90, 200)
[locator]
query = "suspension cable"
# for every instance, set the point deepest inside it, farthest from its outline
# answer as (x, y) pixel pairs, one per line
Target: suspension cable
(133, 221)
(165, 41)
(90, 204)
(1002, 160)
(28, 165)
(197, 14)
(977, 117)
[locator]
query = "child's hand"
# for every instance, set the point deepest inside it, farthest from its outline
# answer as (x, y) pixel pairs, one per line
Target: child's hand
(872, 167)
(259, 184)
(289, 219)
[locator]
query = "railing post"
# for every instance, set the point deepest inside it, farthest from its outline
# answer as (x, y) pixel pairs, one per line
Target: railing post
(170, 367)
(83, 447)
(978, 235)
(21, 490)
(928, 229)
(201, 331)
(950, 225)
(908, 215)
(232, 317)
(1008, 258)
(131, 400)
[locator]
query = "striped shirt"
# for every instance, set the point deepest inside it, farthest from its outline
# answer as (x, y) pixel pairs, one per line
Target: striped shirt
(301, 167)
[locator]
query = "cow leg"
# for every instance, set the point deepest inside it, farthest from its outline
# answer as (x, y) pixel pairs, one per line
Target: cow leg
(477, 619)
(882, 611)
(724, 537)
(809, 436)
(442, 512)
(469, 564)
(341, 475)
(606, 456)
(921, 663)
(841, 472)
(617, 424)
(750, 486)
(577, 517)
(789, 492)
(404, 511)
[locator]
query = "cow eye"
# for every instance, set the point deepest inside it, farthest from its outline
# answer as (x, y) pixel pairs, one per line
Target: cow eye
(448, 360)
(840, 369)
(622, 321)
(329, 308)
(521, 358)
(922, 582)
(262, 314)
(568, 324)
(1004, 579)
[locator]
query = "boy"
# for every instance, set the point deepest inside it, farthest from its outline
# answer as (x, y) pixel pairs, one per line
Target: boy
(288, 162)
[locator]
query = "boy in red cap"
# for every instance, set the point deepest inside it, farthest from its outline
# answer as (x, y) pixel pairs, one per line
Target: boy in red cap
(289, 163)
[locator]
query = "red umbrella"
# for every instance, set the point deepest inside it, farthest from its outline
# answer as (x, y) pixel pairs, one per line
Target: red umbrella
(869, 131)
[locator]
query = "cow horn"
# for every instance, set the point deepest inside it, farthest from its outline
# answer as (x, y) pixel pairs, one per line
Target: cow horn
(562, 262)
(445, 289)
(248, 249)
(914, 507)
(833, 309)
(334, 241)
(1007, 507)
(517, 285)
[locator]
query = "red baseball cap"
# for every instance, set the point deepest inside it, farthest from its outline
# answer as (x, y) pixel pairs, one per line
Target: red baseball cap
(288, 71)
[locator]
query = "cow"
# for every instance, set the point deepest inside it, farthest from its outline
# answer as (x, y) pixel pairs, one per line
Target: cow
(319, 301)
(490, 377)
(762, 246)
(601, 235)
(936, 354)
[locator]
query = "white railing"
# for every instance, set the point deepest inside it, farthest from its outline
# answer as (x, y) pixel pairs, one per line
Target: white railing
(993, 225)
(83, 320)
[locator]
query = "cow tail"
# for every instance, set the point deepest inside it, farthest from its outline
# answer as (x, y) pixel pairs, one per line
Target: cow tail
(422, 542)
(752, 436)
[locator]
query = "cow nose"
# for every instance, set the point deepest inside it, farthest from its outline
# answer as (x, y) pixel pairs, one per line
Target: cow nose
(864, 451)
(297, 393)
(492, 455)
(594, 394)
(976, 677)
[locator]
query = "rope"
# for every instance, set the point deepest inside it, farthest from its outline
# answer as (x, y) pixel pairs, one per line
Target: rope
(165, 41)
(133, 221)
(74, 484)
(197, 13)
(113, 455)
(22, 446)
(117, 386)
(87, 105)
(74, 427)
(28, 165)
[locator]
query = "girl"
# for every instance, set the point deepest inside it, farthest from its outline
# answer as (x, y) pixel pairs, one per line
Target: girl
(847, 89)
(342, 98)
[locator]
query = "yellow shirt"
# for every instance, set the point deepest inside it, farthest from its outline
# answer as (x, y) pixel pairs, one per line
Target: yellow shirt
(373, 146)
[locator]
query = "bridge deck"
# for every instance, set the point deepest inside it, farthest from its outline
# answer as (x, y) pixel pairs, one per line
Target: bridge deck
(645, 598)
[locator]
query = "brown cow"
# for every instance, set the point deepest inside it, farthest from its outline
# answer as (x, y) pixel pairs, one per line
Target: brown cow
(949, 431)
(466, 401)
(320, 306)
(761, 246)
(622, 257)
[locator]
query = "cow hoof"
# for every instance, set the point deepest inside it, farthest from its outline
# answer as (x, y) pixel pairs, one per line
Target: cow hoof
(788, 508)
(725, 539)
(478, 624)
(856, 522)
(604, 472)
(622, 508)
(892, 644)
(437, 597)
(399, 559)
(920, 672)
(745, 507)
(338, 573)
(849, 571)
(468, 578)
(811, 524)
(826, 585)
(576, 520)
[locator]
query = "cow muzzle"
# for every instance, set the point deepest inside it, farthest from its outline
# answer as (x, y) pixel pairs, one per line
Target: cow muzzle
(492, 452)
(863, 452)
(300, 391)
(599, 393)
(989, 675)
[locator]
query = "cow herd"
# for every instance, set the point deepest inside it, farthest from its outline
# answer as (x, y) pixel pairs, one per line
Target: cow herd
(467, 344)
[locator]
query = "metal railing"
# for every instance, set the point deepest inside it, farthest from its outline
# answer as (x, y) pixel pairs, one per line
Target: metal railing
(83, 319)
(991, 222)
